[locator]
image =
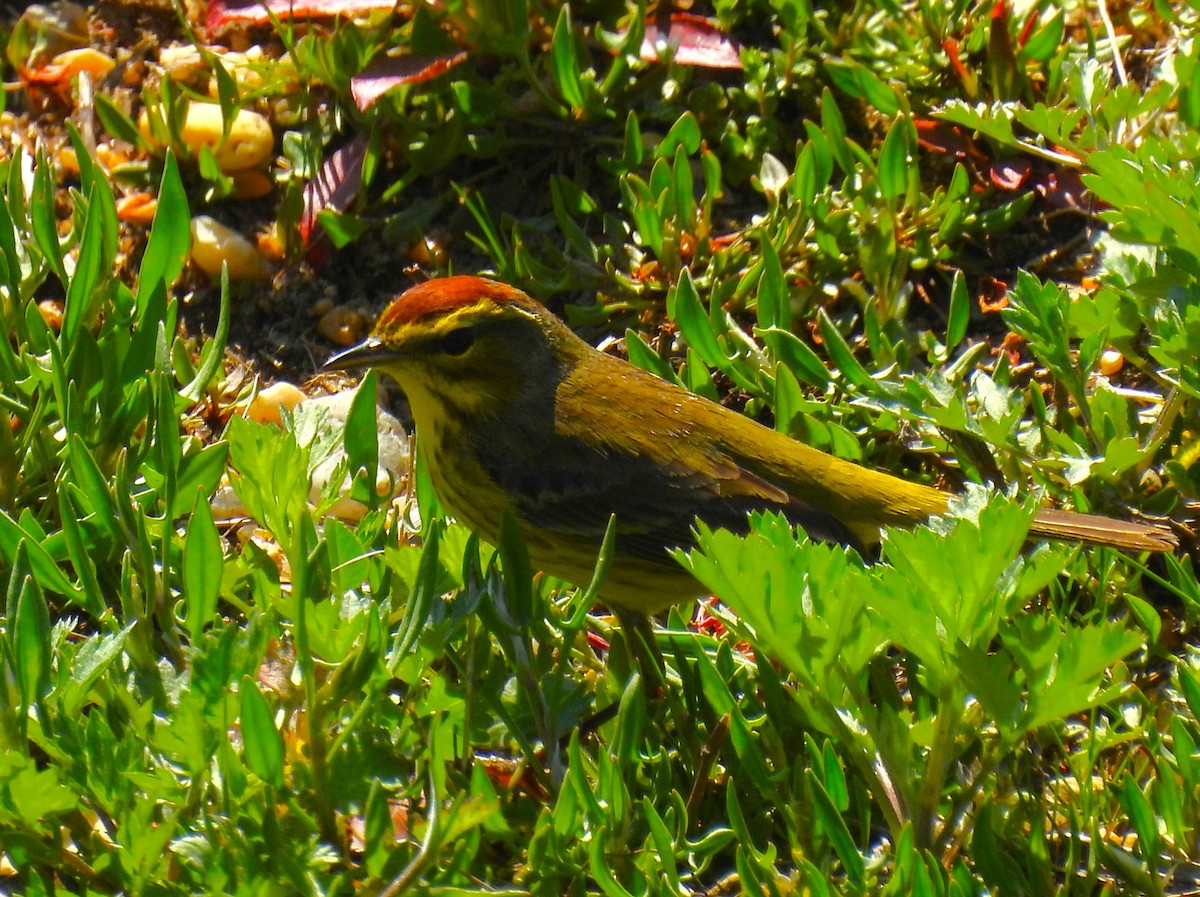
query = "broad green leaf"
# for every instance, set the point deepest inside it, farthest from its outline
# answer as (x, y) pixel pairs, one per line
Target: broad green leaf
(842, 355)
(837, 830)
(685, 133)
(788, 349)
(30, 636)
(43, 567)
(203, 568)
(262, 744)
(897, 159)
(564, 60)
(959, 315)
(646, 358)
(80, 305)
(694, 324)
(43, 219)
(170, 238)
(774, 308)
(361, 438)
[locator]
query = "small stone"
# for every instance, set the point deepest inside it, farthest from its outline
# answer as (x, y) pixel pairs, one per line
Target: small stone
(213, 244)
(267, 407)
(342, 326)
(52, 313)
(1111, 361)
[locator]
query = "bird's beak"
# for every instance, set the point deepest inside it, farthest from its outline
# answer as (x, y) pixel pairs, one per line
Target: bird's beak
(368, 353)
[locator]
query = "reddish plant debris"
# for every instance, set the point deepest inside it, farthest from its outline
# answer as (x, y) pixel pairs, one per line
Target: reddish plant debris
(597, 642)
(693, 41)
(259, 12)
(947, 139)
(58, 73)
(334, 187)
(1062, 188)
(965, 76)
(993, 295)
(382, 75)
(1012, 346)
(507, 774)
(1010, 174)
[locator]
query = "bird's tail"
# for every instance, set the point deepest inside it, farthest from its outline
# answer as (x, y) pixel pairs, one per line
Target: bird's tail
(1053, 524)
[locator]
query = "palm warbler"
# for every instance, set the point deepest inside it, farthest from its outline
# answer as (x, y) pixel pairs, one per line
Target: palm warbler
(516, 413)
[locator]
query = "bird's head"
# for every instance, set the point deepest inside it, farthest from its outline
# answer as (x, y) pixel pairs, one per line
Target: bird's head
(465, 344)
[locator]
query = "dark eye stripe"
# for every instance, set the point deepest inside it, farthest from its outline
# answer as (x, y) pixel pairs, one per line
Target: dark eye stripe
(456, 342)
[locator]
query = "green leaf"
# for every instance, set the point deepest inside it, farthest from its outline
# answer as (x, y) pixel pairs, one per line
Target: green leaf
(959, 315)
(95, 185)
(896, 159)
(170, 238)
(696, 377)
(81, 553)
(694, 324)
(212, 357)
(685, 133)
(80, 306)
(30, 634)
(199, 471)
(1144, 820)
(203, 568)
(640, 204)
(11, 260)
(361, 438)
(861, 83)
(684, 192)
(646, 358)
(842, 355)
(379, 832)
(963, 573)
(342, 228)
(564, 62)
(1066, 669)
(1189, 685)
(803, 183)
(999, 870)
(837, 830)
(799, 358)
(1003, 217)
(266, 463)
(773, 306)
(262, 744)
(42, 565)
(1045, 41)
(42, 216)
(824, 639)
(420, 602)
(632, 148)
(1146, 615)
(833, 127)
(745, 745)
(116, 122)
(789, 399)
(517, 573)
(38, 796)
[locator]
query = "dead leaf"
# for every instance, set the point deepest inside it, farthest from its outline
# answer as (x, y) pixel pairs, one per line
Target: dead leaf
(259, 12)
(382, 75)
(690, 40)
(335, 185)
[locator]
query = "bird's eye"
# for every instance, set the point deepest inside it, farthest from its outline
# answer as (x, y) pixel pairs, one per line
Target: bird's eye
(456, 342)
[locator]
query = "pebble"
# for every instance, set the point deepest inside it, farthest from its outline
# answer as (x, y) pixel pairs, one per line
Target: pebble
(213, 244)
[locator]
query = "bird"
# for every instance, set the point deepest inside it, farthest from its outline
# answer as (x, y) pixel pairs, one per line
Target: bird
(517, 415)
